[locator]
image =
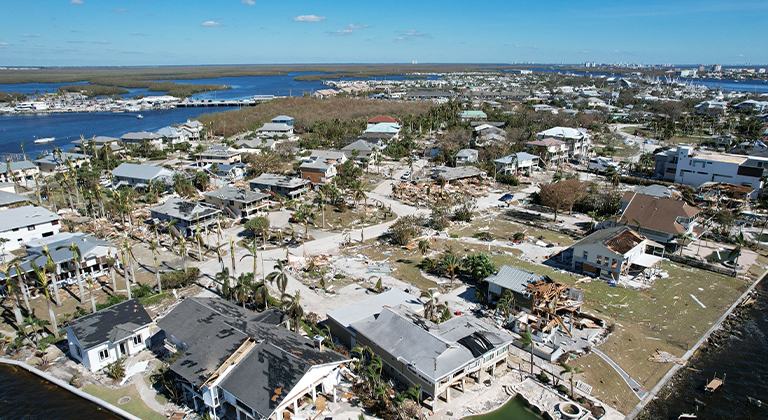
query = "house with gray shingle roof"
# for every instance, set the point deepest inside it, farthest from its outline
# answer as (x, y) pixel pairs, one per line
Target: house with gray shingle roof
(246, 364)
(241, 201)
(189, 215)
(416, 351)
(103, 337)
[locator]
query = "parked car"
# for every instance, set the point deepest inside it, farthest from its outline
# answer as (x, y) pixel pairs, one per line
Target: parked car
(506, 197)
(406, 175)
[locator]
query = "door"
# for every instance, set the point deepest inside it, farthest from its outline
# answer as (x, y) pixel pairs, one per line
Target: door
(123, 351)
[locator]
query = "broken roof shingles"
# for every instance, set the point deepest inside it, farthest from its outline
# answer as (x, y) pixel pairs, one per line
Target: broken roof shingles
(622, 242)
(112, 324)
(219, 328)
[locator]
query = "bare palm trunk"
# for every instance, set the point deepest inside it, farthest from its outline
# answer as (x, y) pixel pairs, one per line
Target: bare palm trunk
(17, 312)
(157, 276)
(55, 282)
(52, 316)
(80, 282)
(25, 294)
(114, 281)
(93, 301)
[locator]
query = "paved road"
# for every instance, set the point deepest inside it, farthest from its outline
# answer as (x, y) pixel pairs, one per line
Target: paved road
(635, 386)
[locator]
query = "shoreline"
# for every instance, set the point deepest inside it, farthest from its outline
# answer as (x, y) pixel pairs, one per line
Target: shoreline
(67, 387)
(690, 353)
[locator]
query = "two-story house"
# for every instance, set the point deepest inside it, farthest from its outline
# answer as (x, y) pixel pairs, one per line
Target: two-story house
(320, 166)
(241, 201)
(611, 252)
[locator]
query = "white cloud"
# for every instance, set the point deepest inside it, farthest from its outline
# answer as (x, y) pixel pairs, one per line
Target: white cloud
(248, 2)
(102, 42)
(358, 26)
(31, 35)
(210, 23)
(308, 18)
(4, 44)
(341, 32)
(137, 34)
(119, 10)
(76, 42)
(414, 33)
(77, 2)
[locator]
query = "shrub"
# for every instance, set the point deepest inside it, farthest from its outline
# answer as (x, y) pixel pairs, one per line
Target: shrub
(518, 236)
(179, 278)
(111, 300)
(406, 228)
(562, 389)
(116, 370)
(542, 377)
(141, 291)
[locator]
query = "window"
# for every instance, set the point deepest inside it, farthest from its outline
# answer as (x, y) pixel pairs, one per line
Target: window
(79, 353)
(31, 227)
(585, 256)
(606, 260)
(613, 263)
(137, 340)
(599, 259)
(104, 354)
(55, 222)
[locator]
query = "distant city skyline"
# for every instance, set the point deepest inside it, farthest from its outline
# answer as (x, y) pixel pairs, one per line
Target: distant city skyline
(156, 32)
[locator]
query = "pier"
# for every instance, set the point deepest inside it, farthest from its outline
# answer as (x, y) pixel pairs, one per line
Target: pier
(233, 102)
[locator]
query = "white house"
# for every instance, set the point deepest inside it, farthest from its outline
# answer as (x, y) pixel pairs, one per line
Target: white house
(684, 166)
(465, 156)
(23, 171)
(245, 364)
(137, 138)
(25, 224)
(192, 129)
(516, 162)
(611, 252)
(552, 151)
(103, 337)
(59, 162)
(140, 176)
(577, 141)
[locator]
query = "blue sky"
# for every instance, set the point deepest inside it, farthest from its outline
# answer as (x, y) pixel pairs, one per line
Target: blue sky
(164, 32)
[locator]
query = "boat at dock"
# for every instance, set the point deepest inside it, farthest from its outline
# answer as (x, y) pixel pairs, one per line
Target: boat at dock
(45, 140)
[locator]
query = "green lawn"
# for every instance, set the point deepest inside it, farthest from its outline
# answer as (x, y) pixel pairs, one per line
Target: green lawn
(136, 406)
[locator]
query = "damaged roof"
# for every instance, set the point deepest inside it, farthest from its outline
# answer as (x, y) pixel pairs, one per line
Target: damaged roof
(656, 213)
(619, 239)
(112, 324)
(214, 329)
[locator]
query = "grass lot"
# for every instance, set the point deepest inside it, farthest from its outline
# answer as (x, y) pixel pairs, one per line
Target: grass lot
(504, 227)
(136, 406)
(663, 317)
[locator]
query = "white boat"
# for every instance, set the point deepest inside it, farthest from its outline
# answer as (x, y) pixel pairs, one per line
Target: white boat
(45, 140)
(139, 116)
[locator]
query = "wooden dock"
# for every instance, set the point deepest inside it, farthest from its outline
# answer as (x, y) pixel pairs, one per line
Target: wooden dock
(714, 384)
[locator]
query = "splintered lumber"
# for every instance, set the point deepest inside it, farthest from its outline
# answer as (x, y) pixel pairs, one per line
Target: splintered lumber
(714, 384)
(665, 357)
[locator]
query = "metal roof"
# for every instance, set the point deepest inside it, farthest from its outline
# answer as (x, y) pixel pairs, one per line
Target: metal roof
(7, 198)
(188, 211)
(25, 216)
(230, 192)
(145, 172)
(513, 278)
(18, 166)
(521, 157)
(373, 305)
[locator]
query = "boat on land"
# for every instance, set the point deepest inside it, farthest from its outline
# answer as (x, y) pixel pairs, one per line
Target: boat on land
(45, 140)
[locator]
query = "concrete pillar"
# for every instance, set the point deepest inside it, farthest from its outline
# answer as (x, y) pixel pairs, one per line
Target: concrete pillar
(448, 394)
(314, 393)
(334, 394)
(295, 406)
(463, 380)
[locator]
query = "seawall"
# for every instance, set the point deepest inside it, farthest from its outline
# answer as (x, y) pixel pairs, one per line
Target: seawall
(676, 367)
(63, 385)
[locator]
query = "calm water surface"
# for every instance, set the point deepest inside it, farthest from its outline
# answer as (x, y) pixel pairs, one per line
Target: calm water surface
(25, 396)
(515, 409)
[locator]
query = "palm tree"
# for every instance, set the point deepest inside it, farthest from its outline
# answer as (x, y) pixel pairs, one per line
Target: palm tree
(232, 255)
(423, 246)
(90, 290)
(305, 215)
(223, 277)
(21, 277)
(125, 274)
(153, 246)
(36, 324)
(449, 263)
(43, 281)
(111, 265)
(527, 340)
(431, 304)
(260, 291)
(77, 256)
(279, 276)
(51, 268)
(243, 287)
(253, 254)
(292, 306)
(11, 290)
(572, 371)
